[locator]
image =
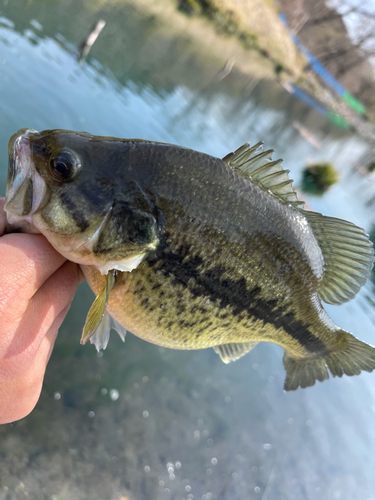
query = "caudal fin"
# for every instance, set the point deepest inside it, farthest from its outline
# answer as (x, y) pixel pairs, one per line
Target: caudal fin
(350, 357)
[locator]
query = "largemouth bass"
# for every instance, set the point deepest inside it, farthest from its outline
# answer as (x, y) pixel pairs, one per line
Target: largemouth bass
(189, 251)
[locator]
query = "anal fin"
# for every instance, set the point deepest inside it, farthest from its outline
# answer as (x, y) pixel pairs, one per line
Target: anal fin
(233, 351)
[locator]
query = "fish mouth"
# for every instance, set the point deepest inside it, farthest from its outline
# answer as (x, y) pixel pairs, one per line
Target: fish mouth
(25, 187)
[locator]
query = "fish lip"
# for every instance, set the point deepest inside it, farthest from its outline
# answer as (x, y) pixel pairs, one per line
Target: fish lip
(22, 169)
(19, 162)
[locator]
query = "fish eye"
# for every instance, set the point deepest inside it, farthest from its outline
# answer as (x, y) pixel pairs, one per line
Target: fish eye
(64, 166)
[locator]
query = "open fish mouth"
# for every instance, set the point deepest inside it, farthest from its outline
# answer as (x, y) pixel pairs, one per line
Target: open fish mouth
(25, 187)
(27, 195)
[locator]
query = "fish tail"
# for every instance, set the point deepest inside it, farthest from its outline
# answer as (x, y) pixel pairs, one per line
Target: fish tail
(350, 356)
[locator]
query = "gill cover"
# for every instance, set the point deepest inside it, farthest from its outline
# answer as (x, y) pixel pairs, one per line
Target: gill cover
(133, 228)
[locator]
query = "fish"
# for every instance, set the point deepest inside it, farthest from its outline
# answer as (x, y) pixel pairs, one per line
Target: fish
(190, 251)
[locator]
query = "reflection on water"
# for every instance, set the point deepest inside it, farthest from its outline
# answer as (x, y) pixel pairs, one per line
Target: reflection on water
(141, 421)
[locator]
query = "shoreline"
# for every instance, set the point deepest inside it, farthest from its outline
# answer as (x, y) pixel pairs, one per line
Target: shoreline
(247, 39)
(256, 23)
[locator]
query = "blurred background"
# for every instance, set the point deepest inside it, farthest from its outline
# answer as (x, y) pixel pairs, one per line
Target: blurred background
(140, 422)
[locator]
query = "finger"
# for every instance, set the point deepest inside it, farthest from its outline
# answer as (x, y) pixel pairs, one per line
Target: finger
(27, 261)
(49, 340)
(3, 217)
(20, 395)
(55, 295)
(25, 242)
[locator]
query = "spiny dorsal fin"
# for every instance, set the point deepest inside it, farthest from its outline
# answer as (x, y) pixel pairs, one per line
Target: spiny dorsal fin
(348, 257)
(233, 351)
(256, 164)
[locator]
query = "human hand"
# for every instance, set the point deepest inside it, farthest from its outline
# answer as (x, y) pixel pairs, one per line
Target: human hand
(37, 286)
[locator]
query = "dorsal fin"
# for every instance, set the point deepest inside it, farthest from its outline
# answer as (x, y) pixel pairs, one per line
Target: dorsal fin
(348, 257)
(257, 165)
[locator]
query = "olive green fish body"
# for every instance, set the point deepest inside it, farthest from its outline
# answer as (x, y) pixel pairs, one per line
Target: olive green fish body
(204, 252)
(193, 297)
(225, 276)
(224, 273)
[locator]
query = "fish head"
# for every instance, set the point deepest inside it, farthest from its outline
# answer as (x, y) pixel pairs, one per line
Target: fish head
(64, 185)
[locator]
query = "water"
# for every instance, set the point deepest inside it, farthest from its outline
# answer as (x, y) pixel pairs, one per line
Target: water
(142, 422)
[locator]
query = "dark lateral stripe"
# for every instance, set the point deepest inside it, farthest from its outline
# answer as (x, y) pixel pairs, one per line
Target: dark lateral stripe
(235, 294)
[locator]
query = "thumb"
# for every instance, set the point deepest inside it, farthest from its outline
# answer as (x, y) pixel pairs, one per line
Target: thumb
(3, 216)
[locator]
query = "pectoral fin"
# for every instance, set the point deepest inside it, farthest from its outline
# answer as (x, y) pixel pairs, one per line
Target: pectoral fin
(233, 351)
(100, 337)
(97, 320)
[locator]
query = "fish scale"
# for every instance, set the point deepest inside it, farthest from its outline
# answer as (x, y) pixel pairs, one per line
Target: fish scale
(223, 281)
(189, 251)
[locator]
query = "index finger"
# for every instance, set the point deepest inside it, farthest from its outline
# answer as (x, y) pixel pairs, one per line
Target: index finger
(27, 261)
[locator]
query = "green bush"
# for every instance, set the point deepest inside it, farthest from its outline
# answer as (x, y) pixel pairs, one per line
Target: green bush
(319, 177)
(190, 7)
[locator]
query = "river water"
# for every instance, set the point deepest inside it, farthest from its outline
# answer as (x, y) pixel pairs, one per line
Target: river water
(141, 422)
